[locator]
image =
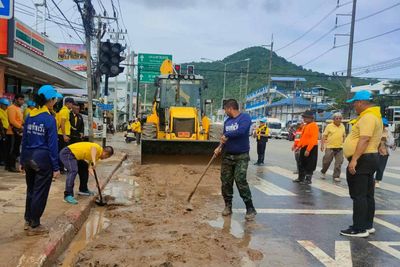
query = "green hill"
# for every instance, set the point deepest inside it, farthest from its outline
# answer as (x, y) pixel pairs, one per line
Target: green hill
(259, 59)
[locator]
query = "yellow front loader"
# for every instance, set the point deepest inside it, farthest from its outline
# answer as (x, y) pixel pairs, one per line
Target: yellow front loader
(177, 131)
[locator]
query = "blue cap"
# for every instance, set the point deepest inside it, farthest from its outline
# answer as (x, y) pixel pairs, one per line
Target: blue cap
(30, 103)
(361, 95)
(263, 120)
(385, 121)
(5, 101)
(49, 92)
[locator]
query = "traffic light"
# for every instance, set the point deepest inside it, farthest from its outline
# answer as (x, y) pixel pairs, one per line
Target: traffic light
(177, 68)
(110, 58)
(190, 69)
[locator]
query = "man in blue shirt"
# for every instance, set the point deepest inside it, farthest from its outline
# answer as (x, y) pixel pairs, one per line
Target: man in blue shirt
(235, 158)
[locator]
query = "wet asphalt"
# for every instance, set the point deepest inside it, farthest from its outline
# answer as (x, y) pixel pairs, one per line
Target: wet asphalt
(299, 225)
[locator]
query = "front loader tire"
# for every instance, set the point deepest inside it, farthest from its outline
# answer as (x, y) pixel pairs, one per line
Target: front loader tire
(149, 131)
(215, 132)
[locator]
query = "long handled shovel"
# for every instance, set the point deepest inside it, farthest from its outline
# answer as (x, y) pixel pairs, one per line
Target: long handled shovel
(189, 206)
(100, 201)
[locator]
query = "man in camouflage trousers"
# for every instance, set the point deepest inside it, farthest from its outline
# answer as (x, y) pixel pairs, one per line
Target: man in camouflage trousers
(235, 158)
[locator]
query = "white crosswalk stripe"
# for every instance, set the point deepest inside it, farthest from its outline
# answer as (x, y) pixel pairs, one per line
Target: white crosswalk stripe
(269, 188)
(385, 174)
(384, 185)
(322, 185)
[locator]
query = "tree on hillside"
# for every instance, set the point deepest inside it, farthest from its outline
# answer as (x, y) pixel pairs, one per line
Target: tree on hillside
(393, 87)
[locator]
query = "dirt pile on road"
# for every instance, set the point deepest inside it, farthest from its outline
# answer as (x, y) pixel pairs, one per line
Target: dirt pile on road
(156, 230)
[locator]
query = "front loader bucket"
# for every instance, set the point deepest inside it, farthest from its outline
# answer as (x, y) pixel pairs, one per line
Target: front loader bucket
(177, 151)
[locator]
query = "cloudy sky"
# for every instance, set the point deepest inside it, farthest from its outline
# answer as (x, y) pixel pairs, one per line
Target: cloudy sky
(215, 29)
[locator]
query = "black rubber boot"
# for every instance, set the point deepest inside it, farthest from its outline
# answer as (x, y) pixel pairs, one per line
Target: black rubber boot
(299, 179)
(228, 208)
(307, 180)
(250, 211)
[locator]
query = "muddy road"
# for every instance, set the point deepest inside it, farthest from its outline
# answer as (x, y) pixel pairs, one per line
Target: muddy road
(149, 226)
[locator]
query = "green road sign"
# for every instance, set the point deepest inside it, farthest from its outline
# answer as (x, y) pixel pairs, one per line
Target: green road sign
(149, 66)
(148, 77)
(152, 59)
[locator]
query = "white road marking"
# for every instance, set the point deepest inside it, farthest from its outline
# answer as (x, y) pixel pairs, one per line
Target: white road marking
(269, 188)
(387, 224)
(387, 247)
(325, 212)
(394, 168)
(342, 253)
(316, 183)
(384, 185)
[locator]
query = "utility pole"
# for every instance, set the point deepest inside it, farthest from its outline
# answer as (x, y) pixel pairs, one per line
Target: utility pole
(87, 18)
(128, 61)
(247, 76)
(350, 57)
(270, 69)
(131, 74)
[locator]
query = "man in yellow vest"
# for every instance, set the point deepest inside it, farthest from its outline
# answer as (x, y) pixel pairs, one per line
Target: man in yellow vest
(137, 129)
(64, 126)
(361, 150)
(261, 134)
(4, 103)
(30, 106)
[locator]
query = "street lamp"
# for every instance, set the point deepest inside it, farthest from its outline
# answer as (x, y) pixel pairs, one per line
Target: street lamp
(226, 64)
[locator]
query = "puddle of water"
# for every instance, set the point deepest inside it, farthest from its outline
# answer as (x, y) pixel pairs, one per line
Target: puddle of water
(229, 225)
(94, 225)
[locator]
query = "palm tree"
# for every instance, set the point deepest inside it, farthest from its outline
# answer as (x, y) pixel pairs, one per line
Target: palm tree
(393, 87)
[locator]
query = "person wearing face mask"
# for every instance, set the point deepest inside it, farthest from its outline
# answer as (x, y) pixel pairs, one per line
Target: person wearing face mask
(307, 148)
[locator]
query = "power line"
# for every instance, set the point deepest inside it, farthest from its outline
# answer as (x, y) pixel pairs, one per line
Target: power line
(355, 42)
(340, 26)
(313, 27)
(373, 65)
(123, 22)
(59, 10)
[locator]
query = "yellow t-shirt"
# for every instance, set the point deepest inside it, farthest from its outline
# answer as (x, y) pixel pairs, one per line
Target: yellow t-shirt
(136, 127)
(82, 150)
(63, 114)
(334, 135)
(27, 111)
(368, 125)
(4, 118)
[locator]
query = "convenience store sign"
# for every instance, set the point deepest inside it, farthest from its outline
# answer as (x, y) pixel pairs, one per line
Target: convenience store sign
(29, 39)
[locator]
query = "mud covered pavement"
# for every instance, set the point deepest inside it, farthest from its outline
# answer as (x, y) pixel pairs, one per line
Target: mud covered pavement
(149, 225)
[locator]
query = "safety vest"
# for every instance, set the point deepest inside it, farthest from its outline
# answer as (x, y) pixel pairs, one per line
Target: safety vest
(262, 131)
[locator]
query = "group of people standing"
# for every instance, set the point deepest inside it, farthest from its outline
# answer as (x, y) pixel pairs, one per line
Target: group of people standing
(366, 148)
(36, 139)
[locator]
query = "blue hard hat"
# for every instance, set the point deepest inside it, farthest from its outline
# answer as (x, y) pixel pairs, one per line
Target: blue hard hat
(361, 95)
(385, 121)
(30, 103)
(49, 92)
(263, 120)
(5, 101)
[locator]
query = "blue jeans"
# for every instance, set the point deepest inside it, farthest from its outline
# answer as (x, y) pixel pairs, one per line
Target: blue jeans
(74, 167)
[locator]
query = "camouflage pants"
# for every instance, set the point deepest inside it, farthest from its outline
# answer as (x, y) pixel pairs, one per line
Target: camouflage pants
(234, 168)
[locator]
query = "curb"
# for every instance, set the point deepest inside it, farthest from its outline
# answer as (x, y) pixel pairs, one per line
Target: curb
(60, 237)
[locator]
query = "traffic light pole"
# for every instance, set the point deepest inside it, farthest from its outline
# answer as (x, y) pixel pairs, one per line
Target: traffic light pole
(104, 135)
(137, 93)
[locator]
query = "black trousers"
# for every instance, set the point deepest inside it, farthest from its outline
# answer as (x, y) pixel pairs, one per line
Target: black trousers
(38, 175)
(307, 165)
(83, 172)
(361, 189)
(13, 142)
(381, 167)
(261, 145)
(61, 145)
(138, 135)
(3, 149)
